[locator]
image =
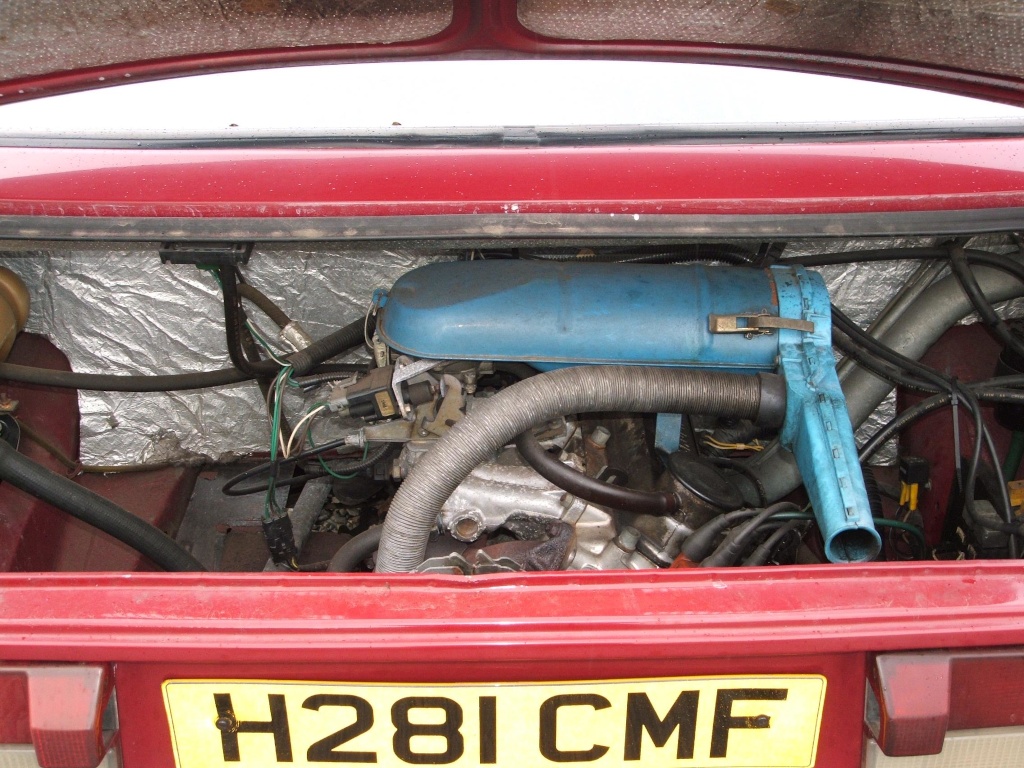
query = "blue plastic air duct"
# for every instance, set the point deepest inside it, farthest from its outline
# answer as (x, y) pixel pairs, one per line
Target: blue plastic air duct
(692, 316)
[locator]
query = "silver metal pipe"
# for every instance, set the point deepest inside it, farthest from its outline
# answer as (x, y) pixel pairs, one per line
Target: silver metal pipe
(930, 315)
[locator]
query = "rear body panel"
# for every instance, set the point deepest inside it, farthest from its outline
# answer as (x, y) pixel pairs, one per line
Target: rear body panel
(821, 620)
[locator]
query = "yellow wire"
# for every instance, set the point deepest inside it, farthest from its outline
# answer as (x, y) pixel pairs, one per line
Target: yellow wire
(755, 446)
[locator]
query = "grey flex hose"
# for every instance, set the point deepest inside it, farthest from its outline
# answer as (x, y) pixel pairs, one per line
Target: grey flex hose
(929, 316)
(66, 495)
(498, 420)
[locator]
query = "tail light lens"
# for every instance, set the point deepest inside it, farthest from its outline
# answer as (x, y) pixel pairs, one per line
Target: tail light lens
(68, 711)
(969, 702)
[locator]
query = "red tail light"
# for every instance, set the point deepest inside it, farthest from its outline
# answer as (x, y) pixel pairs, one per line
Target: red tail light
(921, 696)
(65, 712)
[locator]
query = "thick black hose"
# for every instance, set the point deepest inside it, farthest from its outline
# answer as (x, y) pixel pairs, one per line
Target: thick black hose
(303, 361)
(264, 303)
(101, 382)
(356, 550)
(81, 503)
(342, 340)
(233, 329)
(589, 488)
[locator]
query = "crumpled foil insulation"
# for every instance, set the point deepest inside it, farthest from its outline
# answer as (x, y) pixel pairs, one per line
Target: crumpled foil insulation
(121, 311)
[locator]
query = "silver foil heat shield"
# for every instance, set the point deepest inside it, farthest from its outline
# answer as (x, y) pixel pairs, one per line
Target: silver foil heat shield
(121, 311)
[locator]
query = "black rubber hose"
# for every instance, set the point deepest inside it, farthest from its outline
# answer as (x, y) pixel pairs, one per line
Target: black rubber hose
(303, 361)
(233, 325)
(101, 382)
(81, 503)
(589, 488)
(356, 550)
(329, 346)
(263, 302)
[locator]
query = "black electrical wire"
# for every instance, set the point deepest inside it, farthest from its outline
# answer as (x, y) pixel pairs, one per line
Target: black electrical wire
(267, 468)
(928, 379)
(962, 270)
(990, 390)
(764, 550)
(877, 366)
(920, 410)
(737, 539)
(891, 356)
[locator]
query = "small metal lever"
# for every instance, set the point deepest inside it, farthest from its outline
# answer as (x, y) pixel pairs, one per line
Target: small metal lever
(756, 325)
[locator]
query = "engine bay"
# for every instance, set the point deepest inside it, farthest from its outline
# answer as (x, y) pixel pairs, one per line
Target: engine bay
(543, 408)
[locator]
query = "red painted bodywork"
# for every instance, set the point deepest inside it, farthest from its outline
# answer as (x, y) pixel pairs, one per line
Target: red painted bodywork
(856, 177)
(823, 619)
(525, 627)
(491, 28)
(969, 353)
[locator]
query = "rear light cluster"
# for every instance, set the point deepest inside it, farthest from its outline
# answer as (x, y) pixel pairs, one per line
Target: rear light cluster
(933, 709)
(946, 708)
(59, 716)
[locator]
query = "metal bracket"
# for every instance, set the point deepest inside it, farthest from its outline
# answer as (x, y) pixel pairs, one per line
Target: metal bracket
(406, 369)
(756, 324)
(205, 254)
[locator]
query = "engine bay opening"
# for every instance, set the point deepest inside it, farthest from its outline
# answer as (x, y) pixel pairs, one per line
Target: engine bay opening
(510, 407)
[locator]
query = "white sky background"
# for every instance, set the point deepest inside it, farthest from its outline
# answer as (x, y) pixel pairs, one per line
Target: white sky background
(321, 100)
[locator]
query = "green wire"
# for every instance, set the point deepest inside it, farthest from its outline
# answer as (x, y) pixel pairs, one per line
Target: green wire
(320, 458)
(882, 522)
(1014, 456)
(270, 504)
(262, 341)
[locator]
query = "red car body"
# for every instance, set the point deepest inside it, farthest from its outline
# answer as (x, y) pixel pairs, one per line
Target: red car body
(854, 624)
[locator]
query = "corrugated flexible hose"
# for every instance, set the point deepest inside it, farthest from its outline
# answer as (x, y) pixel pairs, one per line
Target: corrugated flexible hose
(498, 420)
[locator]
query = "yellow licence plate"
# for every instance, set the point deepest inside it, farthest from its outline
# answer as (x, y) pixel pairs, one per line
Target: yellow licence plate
(768, 720)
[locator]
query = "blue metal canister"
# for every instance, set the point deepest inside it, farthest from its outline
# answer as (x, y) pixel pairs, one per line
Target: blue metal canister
(693, 316)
